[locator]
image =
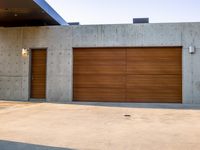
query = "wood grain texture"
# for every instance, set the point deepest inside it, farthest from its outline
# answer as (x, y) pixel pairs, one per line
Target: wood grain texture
(100, 70)
(143, 74)
(99, 81)
(100, 94)
(99, 74)
(99, 57)
(38, 74)
(154, 61)
(154, 88)
(154, 75)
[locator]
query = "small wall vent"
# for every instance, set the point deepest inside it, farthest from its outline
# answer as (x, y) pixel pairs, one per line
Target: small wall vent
(140, 20)
(74, 23)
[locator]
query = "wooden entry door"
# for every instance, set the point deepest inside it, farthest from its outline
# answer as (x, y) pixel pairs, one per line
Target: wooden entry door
(38, 73)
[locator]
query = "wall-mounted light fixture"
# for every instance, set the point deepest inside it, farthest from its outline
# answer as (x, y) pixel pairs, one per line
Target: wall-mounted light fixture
(191, 49)
(25, 51)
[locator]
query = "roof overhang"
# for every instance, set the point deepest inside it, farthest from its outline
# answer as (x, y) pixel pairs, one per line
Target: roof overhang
(28, 13)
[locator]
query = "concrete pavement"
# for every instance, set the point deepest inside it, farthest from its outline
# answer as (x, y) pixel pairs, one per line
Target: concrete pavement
(92, 127)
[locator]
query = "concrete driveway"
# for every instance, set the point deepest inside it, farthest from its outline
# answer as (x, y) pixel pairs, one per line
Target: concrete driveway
(46, 126)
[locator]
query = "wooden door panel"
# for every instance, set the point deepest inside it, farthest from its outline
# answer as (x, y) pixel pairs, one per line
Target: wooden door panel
(99, 74)
(153, 68)
(100, 70)
(100, 94)
(153, 81)
(154, 74)
(38, 74)
(154, 88)
(99, 57)
(100, 81)
(143, 74)
(154, 61)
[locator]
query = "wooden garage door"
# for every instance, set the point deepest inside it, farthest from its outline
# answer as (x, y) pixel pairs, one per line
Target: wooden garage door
(38, 73)
(99, 74)
(154, 75)
(128, 74)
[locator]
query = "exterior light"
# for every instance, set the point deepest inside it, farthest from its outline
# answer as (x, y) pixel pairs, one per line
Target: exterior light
(25, 52)
(191, 49)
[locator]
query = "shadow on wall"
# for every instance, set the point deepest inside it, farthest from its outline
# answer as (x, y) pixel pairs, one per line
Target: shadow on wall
(9, 145)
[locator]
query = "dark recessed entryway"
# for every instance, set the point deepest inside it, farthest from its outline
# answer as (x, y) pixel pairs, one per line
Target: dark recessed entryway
(128, 74)
(38, 73)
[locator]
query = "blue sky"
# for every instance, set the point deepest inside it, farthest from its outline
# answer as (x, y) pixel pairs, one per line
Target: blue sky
(122, 11)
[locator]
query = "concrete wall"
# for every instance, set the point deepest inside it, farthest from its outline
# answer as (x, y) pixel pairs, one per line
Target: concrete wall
(14, 69)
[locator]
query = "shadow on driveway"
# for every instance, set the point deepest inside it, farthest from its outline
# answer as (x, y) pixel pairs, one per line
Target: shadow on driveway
(9, 145)
(6, 104)
(141, 105)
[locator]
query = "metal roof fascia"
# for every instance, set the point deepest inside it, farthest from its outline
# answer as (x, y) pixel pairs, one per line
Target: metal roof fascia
(48, 9)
